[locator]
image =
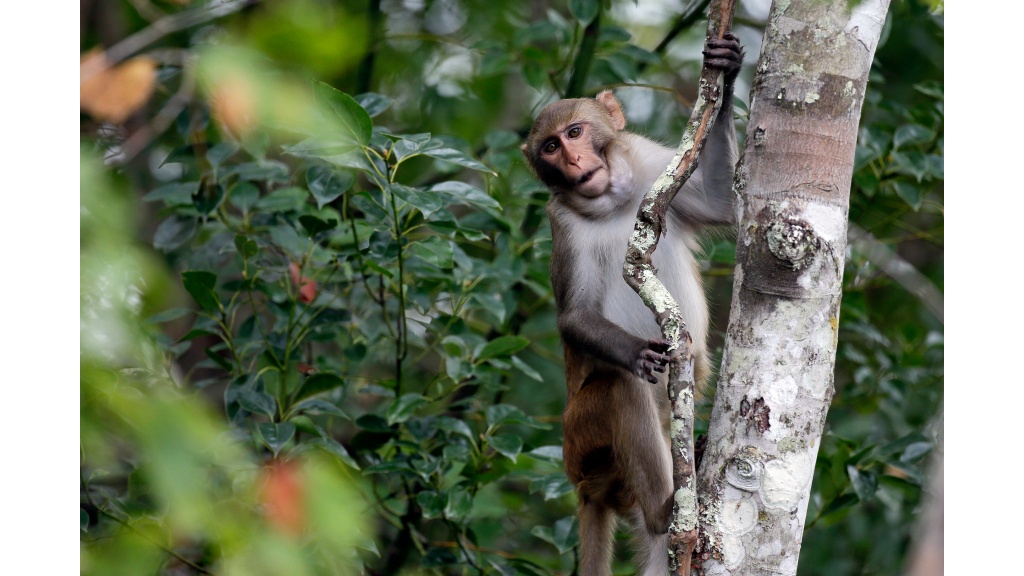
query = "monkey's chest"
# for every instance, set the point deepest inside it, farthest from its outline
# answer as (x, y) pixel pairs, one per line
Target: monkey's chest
(676, 268)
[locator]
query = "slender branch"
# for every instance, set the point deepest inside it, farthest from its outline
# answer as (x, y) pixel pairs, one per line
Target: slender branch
(169, 25)
(584, 58)
(126, 524)
(897, 268)
(365, 77)
(639, 273)
(163, 119)
(683, 22)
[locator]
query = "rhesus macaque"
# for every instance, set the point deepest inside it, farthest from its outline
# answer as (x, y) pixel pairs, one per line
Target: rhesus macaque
(616, 420)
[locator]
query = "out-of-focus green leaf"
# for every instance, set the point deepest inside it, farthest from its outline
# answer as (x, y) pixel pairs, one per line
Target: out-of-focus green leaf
(276, 434)
(174, 193)
(432, 503)
(508, 445)
(374, 103)
(402, 408)
(343, 109)
(319, 383)
(584, 10)
(257, 402)
(326, 184)
(202, 286)
(562, 535)
(174, 233)
(501, 347)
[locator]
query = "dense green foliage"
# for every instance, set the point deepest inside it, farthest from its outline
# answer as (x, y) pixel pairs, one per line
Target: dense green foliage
(318, 335)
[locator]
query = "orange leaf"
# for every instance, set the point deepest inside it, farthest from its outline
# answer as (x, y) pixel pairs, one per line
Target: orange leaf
(232, 104)
(283, 496)
(308, 288)
(115, 93)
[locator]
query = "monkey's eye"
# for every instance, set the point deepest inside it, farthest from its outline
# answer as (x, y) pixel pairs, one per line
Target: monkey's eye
(575, 132)
(550, 147)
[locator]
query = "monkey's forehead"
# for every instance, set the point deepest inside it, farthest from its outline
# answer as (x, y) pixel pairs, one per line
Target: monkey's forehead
(557, 114)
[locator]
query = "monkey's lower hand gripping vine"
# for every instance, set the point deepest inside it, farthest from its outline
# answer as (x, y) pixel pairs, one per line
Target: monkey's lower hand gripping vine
(615, 422)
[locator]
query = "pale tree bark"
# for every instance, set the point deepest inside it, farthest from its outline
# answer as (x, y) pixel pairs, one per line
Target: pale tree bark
(792, 188)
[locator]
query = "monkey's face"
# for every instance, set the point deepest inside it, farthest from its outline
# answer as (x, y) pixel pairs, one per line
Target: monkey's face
(566, 147)
(573, 153)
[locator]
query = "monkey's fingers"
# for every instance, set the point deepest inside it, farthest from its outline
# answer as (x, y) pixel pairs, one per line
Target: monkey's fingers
(658, 345)
(647, 370)
(724, 53)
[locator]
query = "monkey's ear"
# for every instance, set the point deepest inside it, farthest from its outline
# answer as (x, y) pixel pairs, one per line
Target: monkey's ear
(607, 100)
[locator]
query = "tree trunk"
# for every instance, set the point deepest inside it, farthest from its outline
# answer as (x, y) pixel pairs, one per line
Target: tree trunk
(793, 190)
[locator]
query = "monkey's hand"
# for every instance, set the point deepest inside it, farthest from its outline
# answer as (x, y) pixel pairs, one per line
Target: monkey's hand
(725, 54)
(652, 358)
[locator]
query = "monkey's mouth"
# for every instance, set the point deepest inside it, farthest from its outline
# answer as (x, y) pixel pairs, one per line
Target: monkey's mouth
(587, 177)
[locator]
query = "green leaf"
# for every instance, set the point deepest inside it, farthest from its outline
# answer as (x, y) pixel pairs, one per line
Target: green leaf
(218, 359)
(933, 88)
(426, 201)
(841, 503)
(915, 451)
(333, 447)
(319, 383)
(501, 347)
(326, 184)
(317, 147)
(314, 225)
(167, 315)
(246, 247)
(458, 157)
(283, 200)
(498, 414)
(584, 10)
(562, 535)
(220, 152)
(276, 434)
(174, 194)
(257, 402)
(402, 408)
(864, 482)
(551, 485)
(911, 163)
(374, 103)
(432, 503)
(320, 406)
(174, 232)
(460, 503)
(244, 195)
(908, 192)
(508, 445)
(207, 197)
(911, 134)
(341, 107)
(435, 251)
(462, 193)
(410, 145)
(455, 426)
(263, 170)
(83, 520)
(551, 453)
(201, 285)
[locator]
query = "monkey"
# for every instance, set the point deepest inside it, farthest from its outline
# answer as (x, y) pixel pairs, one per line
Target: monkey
(615, 422)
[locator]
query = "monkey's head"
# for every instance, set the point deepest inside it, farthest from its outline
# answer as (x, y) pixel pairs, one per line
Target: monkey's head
(567, 144)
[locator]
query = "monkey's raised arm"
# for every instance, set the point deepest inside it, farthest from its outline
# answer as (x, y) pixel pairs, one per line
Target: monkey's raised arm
(707, 199)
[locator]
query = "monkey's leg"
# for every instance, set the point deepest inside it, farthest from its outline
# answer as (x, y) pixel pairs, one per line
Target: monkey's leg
(650, 550)
(642, 451)
(597, 524)
(646, 464)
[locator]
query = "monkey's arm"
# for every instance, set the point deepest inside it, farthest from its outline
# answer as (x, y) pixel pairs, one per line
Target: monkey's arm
(707, 197)
(579, 291)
